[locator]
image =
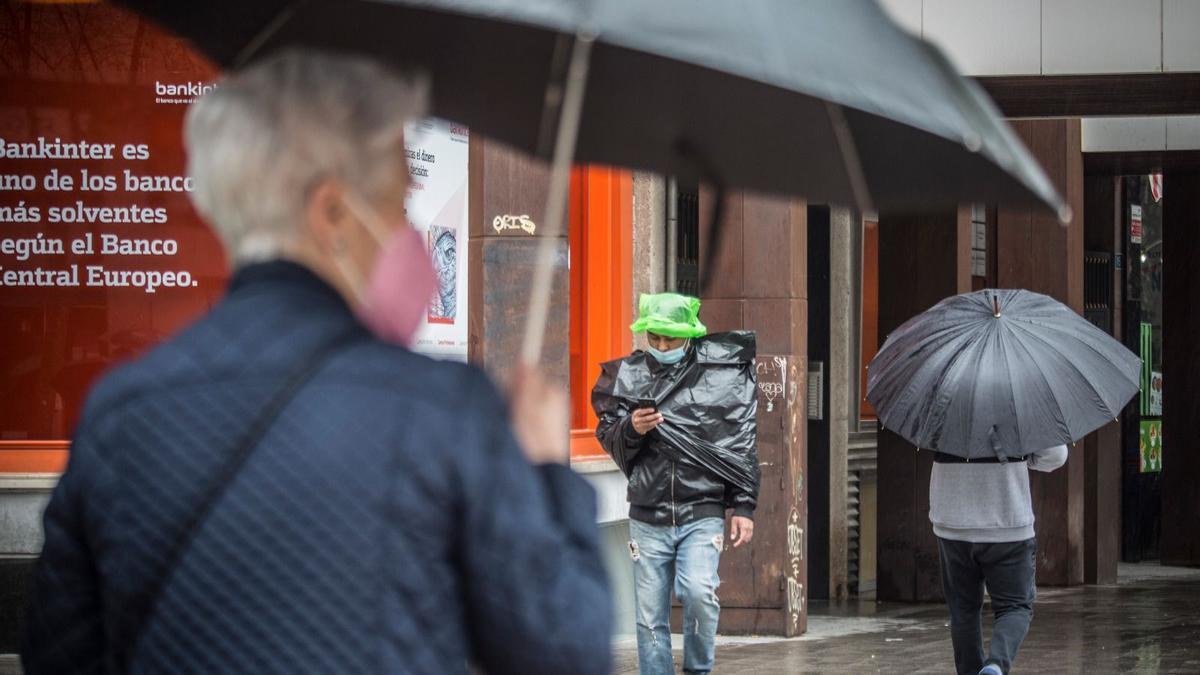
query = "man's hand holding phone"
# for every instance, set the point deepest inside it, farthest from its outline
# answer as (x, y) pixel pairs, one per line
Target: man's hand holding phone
(645, 418)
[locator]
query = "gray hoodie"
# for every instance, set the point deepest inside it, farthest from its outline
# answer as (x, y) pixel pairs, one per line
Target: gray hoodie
(987, 503)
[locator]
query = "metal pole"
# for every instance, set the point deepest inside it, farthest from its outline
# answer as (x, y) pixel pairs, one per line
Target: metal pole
(564, 150)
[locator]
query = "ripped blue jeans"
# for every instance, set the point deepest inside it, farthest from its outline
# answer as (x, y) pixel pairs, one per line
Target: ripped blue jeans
(685, 557)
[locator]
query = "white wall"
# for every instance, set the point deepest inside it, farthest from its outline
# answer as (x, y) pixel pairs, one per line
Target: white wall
(982, 36)
(1057, 37)
(1129, 134)
(23, 498)
(611, 487)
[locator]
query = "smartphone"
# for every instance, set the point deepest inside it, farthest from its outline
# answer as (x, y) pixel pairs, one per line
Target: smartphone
(646, 403)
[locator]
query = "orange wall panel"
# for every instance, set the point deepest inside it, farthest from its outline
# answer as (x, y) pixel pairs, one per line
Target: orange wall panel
(870, 312)
(601, 242)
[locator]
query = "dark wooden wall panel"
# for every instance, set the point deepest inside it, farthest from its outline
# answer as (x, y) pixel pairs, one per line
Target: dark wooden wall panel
(727, 279)
(1127, 94)
(1180, 542)
(1102, 450)
(1102, 505)
(1038, 253)
(770, 261)
(923, 258)
(758, 284)
(1133, 163)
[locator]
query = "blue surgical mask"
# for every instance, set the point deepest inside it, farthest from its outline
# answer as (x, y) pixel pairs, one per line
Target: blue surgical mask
(669, 357)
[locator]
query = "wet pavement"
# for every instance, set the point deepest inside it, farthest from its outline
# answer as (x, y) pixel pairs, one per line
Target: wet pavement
(1149, 622)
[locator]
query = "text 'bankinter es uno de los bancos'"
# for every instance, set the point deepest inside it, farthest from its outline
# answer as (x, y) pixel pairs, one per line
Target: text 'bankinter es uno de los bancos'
(58, 199)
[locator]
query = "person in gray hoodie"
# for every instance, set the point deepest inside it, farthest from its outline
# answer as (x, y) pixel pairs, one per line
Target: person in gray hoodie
(982, 515)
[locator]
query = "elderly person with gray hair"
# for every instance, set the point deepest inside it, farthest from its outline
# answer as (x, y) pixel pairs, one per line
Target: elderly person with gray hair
(284, 487)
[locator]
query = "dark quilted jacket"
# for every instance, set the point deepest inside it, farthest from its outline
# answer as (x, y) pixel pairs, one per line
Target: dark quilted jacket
(387, 523)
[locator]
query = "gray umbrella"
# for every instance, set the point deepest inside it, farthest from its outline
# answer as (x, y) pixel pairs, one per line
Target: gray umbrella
(767, 95)
(999, 371)
(828, 100)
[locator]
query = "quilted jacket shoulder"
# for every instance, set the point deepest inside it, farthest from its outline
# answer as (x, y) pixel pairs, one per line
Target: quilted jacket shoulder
(386, 522)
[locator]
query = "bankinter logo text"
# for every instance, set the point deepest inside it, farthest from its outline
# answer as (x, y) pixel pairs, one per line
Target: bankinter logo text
(173, 93)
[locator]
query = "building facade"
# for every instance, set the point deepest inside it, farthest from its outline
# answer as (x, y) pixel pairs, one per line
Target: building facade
(1104, 95)
(1104, 92)
(92, 110)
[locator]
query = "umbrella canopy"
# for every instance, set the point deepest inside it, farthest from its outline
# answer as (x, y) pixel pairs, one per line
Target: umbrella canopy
(999, 372)
(829, 100)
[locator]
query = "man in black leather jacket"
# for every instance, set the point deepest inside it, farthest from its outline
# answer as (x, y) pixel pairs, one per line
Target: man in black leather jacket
(677, 508)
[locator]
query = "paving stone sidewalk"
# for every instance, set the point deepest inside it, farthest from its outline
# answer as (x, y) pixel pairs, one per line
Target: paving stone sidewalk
(1147, 623)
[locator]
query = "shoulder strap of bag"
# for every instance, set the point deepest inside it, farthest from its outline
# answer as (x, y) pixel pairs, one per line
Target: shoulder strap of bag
(291, 386)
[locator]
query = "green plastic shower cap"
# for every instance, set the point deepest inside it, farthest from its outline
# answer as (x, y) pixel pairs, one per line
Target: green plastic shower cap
(669, 314)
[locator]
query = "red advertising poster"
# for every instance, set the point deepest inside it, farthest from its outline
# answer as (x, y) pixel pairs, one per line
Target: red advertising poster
(101, 253)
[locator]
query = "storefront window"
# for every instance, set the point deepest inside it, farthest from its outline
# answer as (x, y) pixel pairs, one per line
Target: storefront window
(101, 253)
(1142, 208)
(1148, 210)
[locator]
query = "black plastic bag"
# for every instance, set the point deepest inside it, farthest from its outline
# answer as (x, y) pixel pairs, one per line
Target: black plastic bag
(708, 403)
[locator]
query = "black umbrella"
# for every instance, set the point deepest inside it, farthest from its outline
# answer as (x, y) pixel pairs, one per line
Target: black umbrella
(829, 100)
(999, 372)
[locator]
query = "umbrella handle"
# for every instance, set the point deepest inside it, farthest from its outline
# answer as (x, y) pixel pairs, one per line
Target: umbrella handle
(556, 204)
(851, 160)
(996, 447)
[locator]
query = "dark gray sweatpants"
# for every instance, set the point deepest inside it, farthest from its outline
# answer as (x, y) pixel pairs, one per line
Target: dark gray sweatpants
(1008, 570)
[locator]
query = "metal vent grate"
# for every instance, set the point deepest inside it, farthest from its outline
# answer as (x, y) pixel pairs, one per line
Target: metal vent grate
(816, 390)
(1098, 289)
(687, 237)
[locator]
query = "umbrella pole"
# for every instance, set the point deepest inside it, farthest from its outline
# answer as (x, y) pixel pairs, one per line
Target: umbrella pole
(556, 204)
(268, 31)
(850, 158)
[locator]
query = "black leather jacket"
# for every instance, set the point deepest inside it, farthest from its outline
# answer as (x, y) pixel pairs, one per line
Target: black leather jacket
(662, 491)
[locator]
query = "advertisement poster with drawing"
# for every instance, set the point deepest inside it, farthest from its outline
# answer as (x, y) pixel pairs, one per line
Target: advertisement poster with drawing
(437, 207)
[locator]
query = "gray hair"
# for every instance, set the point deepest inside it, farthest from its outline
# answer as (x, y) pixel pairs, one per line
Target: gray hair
(267, 135)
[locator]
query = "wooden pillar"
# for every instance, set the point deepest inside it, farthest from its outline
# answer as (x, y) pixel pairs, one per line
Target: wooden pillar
(759, 284)
(923, 258)
(1037, 253)
(1102, 450)
(504, 185)
(1180, 541)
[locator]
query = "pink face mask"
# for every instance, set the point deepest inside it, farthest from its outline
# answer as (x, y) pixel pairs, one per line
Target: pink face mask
(401, 284)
